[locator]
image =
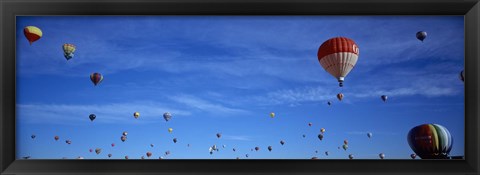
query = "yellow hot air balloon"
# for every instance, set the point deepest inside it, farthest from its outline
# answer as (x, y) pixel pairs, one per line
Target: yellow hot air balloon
(322, 130)
(272, 114)
(32, 33)
(68, 50)
(170, 130)
(136, 114)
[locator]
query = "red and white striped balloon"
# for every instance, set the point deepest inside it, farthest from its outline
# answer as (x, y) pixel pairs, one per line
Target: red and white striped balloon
(338, 56)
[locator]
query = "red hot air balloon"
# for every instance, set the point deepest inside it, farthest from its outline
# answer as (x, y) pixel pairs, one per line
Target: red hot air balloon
(149, 154)
(56, 138)
(338, 56)
(430, 141)
(96, 78)
(113, 144)
(340, 96)
(32, 33)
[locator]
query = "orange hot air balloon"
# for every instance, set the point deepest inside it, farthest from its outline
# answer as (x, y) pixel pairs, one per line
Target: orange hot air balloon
(32, 33)
(340, 96)
(338, 56)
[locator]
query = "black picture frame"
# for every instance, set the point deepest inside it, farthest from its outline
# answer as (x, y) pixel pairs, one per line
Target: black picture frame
(11, 8)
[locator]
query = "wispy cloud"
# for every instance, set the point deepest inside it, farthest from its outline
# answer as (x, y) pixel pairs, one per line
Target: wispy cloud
(110, 113)
(207, 106)
(237, 137)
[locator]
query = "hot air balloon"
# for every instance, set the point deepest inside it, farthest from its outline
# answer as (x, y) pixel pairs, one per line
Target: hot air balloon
(68, 50)
(143, 157)
(109, 155)
(126, 157)
(68, 142)
(381, 155)
(430, 141)
(384, 98)
(149, 154)
(282, 142)
(246, 155)
(33, 136)
(238, 158)
(303, 135)
(136, 115)
(113, 144)
(92, 117)
(462, 76)
(369, 135)
(316, 151)
(160, 157)
(224, 146)
(350, 156)
(79, 157)
(174, 140)
(320, 136)
(309, 124)
(338, 56)
(345, 142)
(124, 133)
(151, 145)
(90, 150)
(219, 135)
(326, 153)
(322, 130)
(345, 147)
(167, 153)
(234, 150)
(98, 150)
(167, 116)
(123, 138)
(257, 148)
(269, 148)
(96, 78)
(413, 156)
(421, 35)
(56, 138)
(32, 33)
(340, 96)
(329, 103)
(188, 145)
(170, 130)
(314, 158)
(272, 114)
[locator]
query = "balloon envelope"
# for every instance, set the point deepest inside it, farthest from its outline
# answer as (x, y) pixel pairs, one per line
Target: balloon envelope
(32, 33)
(338, 56)
(68, 50)
(92, 117)
(430, 141)
(96, 78)
(384, 98)
(340, 96)
(167, 116)
(421, 35)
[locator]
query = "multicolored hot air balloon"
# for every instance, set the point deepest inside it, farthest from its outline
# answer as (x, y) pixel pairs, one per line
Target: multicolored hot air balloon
(369, 135)
(430, 141)
(345, 142)
(340, 96)
(56, 138)
(462, 76)
(272, 114)
(314, 158)
(170, 130)
(320, 136)
(413, 156)
(338, 56)
(167, 116)
(350, 156)
(322, 130)
(68, 50)
(384, 98)
(345, 147)
(309, 124)
(149, 154)
(125, 133)
(126, 157)
(98, 150)
(92, 117)
(96, 78)
(32, 33)
(381, 155)
(136, 115)
(68, 142)
(257, 148)
(123, 138)
(421, 35)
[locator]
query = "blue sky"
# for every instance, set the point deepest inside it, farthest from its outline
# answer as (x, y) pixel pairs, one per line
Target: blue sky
(225, 74)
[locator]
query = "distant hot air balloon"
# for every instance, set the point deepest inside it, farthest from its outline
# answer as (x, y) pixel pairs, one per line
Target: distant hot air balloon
(309, 124)
(340, 96)
(246, 155)
(257, 148)
(170, 130)
(126, 157)
(136, 115)
(143, 157)
(282, 142)
(109, 155)
(322, 130)
(90, 150)
(123, 138)
(369, 135)
(384, 98)
(421, 35)
(167, 153)
(219, 135)
(381, 155)
(345, 142)
(68, 50)
(68, 142)
(33, 136)
(151, 145)
(113, 144)
(92, 117)
(326, 153)
(269, 148)
(462, 76)
(234, 150)
(174, 140)
(98, 150)
(345, 147)
(32, 33)
(430, 141)
(167, 116)
(149, 154)
(314, 158)
(56, 138)
(350, 156)
(124, 133)
(224, 146)
(338, 56)
(79, 157)
(320, 136)
(272, 114)
(329, 103)
(96, 78)
(413, 156)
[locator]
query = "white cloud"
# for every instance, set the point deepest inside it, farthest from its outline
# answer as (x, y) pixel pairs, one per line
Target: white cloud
(207, 106)
(239, 138)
